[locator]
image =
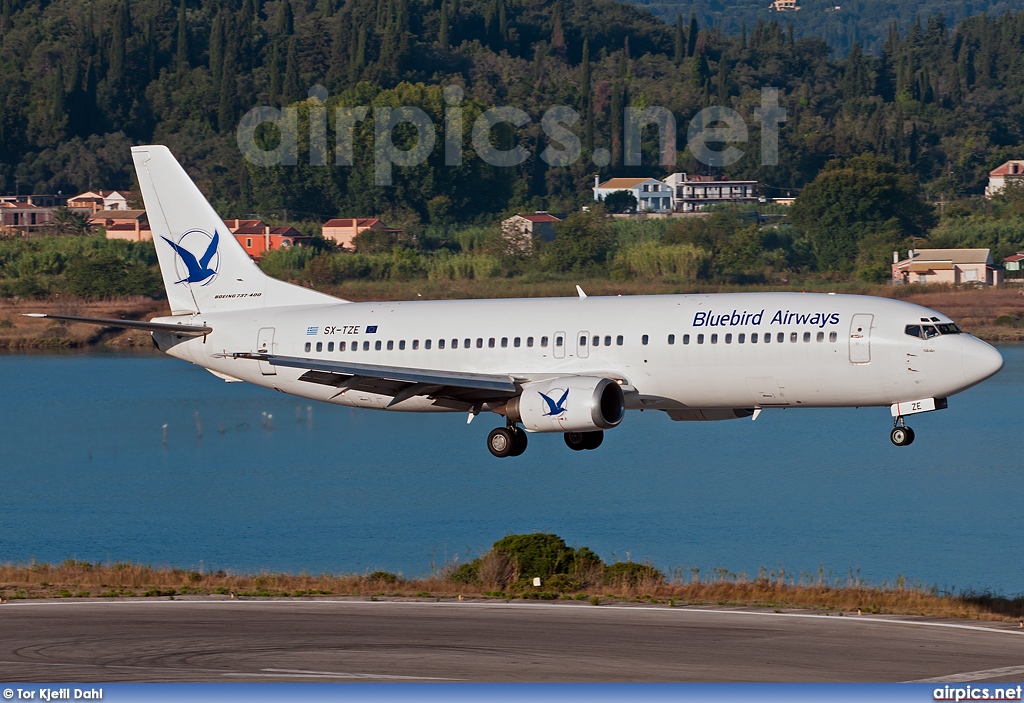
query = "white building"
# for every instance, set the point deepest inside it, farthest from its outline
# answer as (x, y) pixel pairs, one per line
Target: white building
(651, 194)
(1010, 172)
(98, 200)
(690, 193)
(950, 266)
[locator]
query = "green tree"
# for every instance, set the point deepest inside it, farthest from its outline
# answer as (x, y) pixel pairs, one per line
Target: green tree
(852, 199)
(182, 54)
(583, 242)
(621, 201)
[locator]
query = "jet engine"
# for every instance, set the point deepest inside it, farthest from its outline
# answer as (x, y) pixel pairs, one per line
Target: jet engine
(569, 404)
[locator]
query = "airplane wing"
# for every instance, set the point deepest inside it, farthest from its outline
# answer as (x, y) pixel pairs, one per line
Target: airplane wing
(399, 382)
(183, 330)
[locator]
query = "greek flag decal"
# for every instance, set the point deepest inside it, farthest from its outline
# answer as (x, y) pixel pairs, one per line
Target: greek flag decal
(311, 331)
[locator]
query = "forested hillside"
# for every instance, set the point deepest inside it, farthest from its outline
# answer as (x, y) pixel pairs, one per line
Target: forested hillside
(841, 23)
(81, 81)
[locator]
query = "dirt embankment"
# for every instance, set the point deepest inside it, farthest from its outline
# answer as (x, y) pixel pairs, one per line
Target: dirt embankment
(993, 314)
(20, 332)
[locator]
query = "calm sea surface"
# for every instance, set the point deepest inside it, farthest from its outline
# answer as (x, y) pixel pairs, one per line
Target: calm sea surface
(84, 474)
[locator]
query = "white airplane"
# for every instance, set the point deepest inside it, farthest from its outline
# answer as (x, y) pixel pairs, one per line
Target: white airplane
(568, 365)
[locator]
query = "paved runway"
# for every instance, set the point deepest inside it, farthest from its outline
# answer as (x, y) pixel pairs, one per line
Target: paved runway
(337, 640)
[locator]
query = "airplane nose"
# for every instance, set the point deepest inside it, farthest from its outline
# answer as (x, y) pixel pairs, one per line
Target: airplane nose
(980, 360)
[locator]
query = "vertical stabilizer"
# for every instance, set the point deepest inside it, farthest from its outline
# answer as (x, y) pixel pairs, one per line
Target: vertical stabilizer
(204, 267)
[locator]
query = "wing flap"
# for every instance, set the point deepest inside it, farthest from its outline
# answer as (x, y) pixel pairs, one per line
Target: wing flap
(498, 384)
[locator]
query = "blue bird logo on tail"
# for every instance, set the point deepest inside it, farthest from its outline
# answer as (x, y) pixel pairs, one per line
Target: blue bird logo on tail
(553, 407)
(199, 270)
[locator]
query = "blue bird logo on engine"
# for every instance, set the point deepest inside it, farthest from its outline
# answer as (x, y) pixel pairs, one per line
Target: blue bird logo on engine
(553, 407)
(202, 270)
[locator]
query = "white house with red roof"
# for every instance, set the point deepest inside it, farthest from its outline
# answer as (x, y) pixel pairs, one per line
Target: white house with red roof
(97, 200)
(520, 231)
(651, 194)
(1010, 172)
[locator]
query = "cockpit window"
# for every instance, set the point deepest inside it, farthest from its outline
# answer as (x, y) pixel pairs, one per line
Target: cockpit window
(929, 331)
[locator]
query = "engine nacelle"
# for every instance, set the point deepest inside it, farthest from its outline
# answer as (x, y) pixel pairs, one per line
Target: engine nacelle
(569, 404)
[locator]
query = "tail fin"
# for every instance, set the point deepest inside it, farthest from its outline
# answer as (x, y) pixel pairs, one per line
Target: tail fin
(204, 268)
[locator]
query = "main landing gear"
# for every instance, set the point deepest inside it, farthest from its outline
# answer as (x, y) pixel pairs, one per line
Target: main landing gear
(901, 435)
(507, 441)
(578, 441)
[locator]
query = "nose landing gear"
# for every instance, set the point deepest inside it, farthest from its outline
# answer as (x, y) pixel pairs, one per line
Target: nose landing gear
(901, 435)
(507, 441)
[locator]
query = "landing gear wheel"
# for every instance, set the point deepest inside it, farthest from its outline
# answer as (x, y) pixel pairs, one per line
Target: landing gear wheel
(592, 440)
(518, 441)
(577, 441)
(901, 436)
(501, 442)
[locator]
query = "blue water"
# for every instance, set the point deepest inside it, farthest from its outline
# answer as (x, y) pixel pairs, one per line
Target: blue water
(84, 474)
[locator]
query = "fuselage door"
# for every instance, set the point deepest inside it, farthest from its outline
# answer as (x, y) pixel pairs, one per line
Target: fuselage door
(583, 344)
(558, 345)
(265, 345)
(860, 339)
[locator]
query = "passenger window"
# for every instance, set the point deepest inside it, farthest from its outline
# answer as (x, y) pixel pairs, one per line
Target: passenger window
(807, 336)
(309, 346)
(559, 340)
(504, 342)
(597, 341)
(479, 342)
(792, 336)
(426, 344)
(376, 345)
(618, 340)
(700, 339)
(781, 338)
(671, 339)
(686, 339)
(455, 344)
(415, 344)
(516, 342)
(401, 345)
(330, 346)
(490, 343)
(583, 341)
(529, 341)
(821, 336)
(741, 338)
(753, 337)
(319, 346)
(728, 338)
(341, 346)
(644, 339)
(714, 339)
(391, 345)
(544, 341)
(440, 344)
(832, 336)
(465, 343)
(607, 340)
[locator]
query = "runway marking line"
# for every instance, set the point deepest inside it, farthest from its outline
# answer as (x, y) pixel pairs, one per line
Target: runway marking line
(272, 673)
(473, 604)
(974, 675)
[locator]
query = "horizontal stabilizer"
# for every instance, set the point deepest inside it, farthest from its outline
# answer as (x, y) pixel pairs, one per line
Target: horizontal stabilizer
(173, 327)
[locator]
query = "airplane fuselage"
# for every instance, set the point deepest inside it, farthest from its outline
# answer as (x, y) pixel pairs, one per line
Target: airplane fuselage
(679, 353)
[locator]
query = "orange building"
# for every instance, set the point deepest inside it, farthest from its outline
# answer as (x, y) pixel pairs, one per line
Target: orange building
(257, 237)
